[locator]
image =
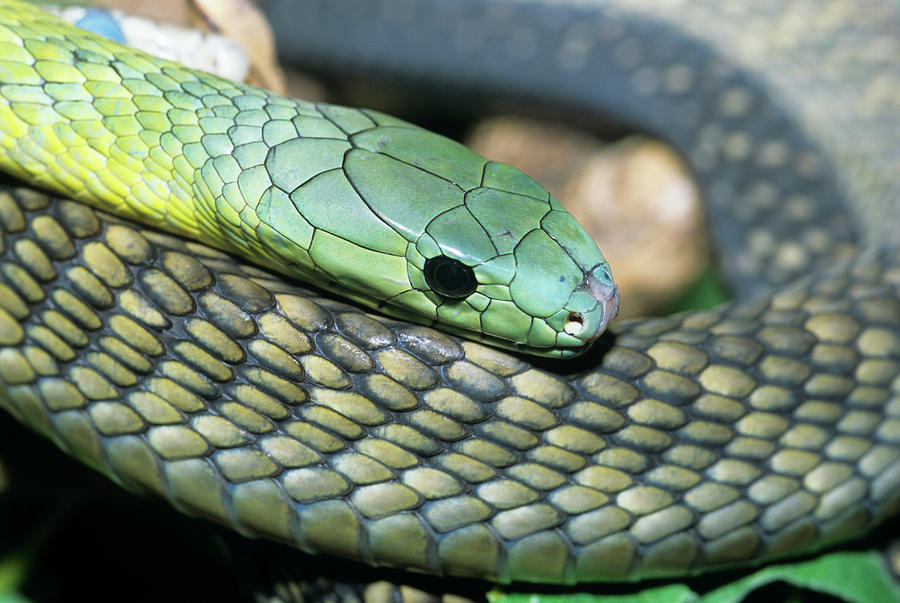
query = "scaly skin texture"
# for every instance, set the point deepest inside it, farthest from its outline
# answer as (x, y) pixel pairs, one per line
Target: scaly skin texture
(711, 438)
(350, 200)
(686, 443)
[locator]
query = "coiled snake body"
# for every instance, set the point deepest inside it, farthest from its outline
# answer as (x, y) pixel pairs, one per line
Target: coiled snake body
(757, 429)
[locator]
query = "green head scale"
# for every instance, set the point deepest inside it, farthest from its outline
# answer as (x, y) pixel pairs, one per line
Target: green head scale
(489, 254)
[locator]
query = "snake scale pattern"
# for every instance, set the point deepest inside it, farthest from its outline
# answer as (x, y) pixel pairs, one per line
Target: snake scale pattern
(761, 428)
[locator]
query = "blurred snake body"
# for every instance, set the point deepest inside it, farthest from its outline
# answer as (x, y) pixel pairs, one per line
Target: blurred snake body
(762, 428)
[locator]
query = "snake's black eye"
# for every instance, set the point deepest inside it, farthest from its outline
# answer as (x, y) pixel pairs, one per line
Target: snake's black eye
(449, 278)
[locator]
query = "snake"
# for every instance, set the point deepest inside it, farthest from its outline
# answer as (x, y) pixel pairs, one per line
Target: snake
(766, 427)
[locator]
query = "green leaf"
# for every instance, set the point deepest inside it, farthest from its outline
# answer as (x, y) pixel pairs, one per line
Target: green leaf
(669, 593)
(854, 576)
(860, 576)
(13, 569)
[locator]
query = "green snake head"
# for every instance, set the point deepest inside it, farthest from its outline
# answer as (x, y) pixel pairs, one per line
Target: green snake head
(489, 254)
(365, 205)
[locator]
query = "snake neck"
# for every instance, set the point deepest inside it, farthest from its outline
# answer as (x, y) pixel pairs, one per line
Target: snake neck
(141, 137)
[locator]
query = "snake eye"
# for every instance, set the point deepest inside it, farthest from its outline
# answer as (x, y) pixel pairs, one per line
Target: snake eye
(449, 278)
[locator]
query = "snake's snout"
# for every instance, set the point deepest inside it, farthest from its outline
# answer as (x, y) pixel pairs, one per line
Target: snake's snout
(602, 288)
(607, 295)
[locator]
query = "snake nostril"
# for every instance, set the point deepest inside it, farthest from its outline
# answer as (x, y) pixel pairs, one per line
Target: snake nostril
(574, 324)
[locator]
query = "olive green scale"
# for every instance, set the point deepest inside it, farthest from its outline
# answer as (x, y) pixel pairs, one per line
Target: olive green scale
(350, 200)
(173, 369)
